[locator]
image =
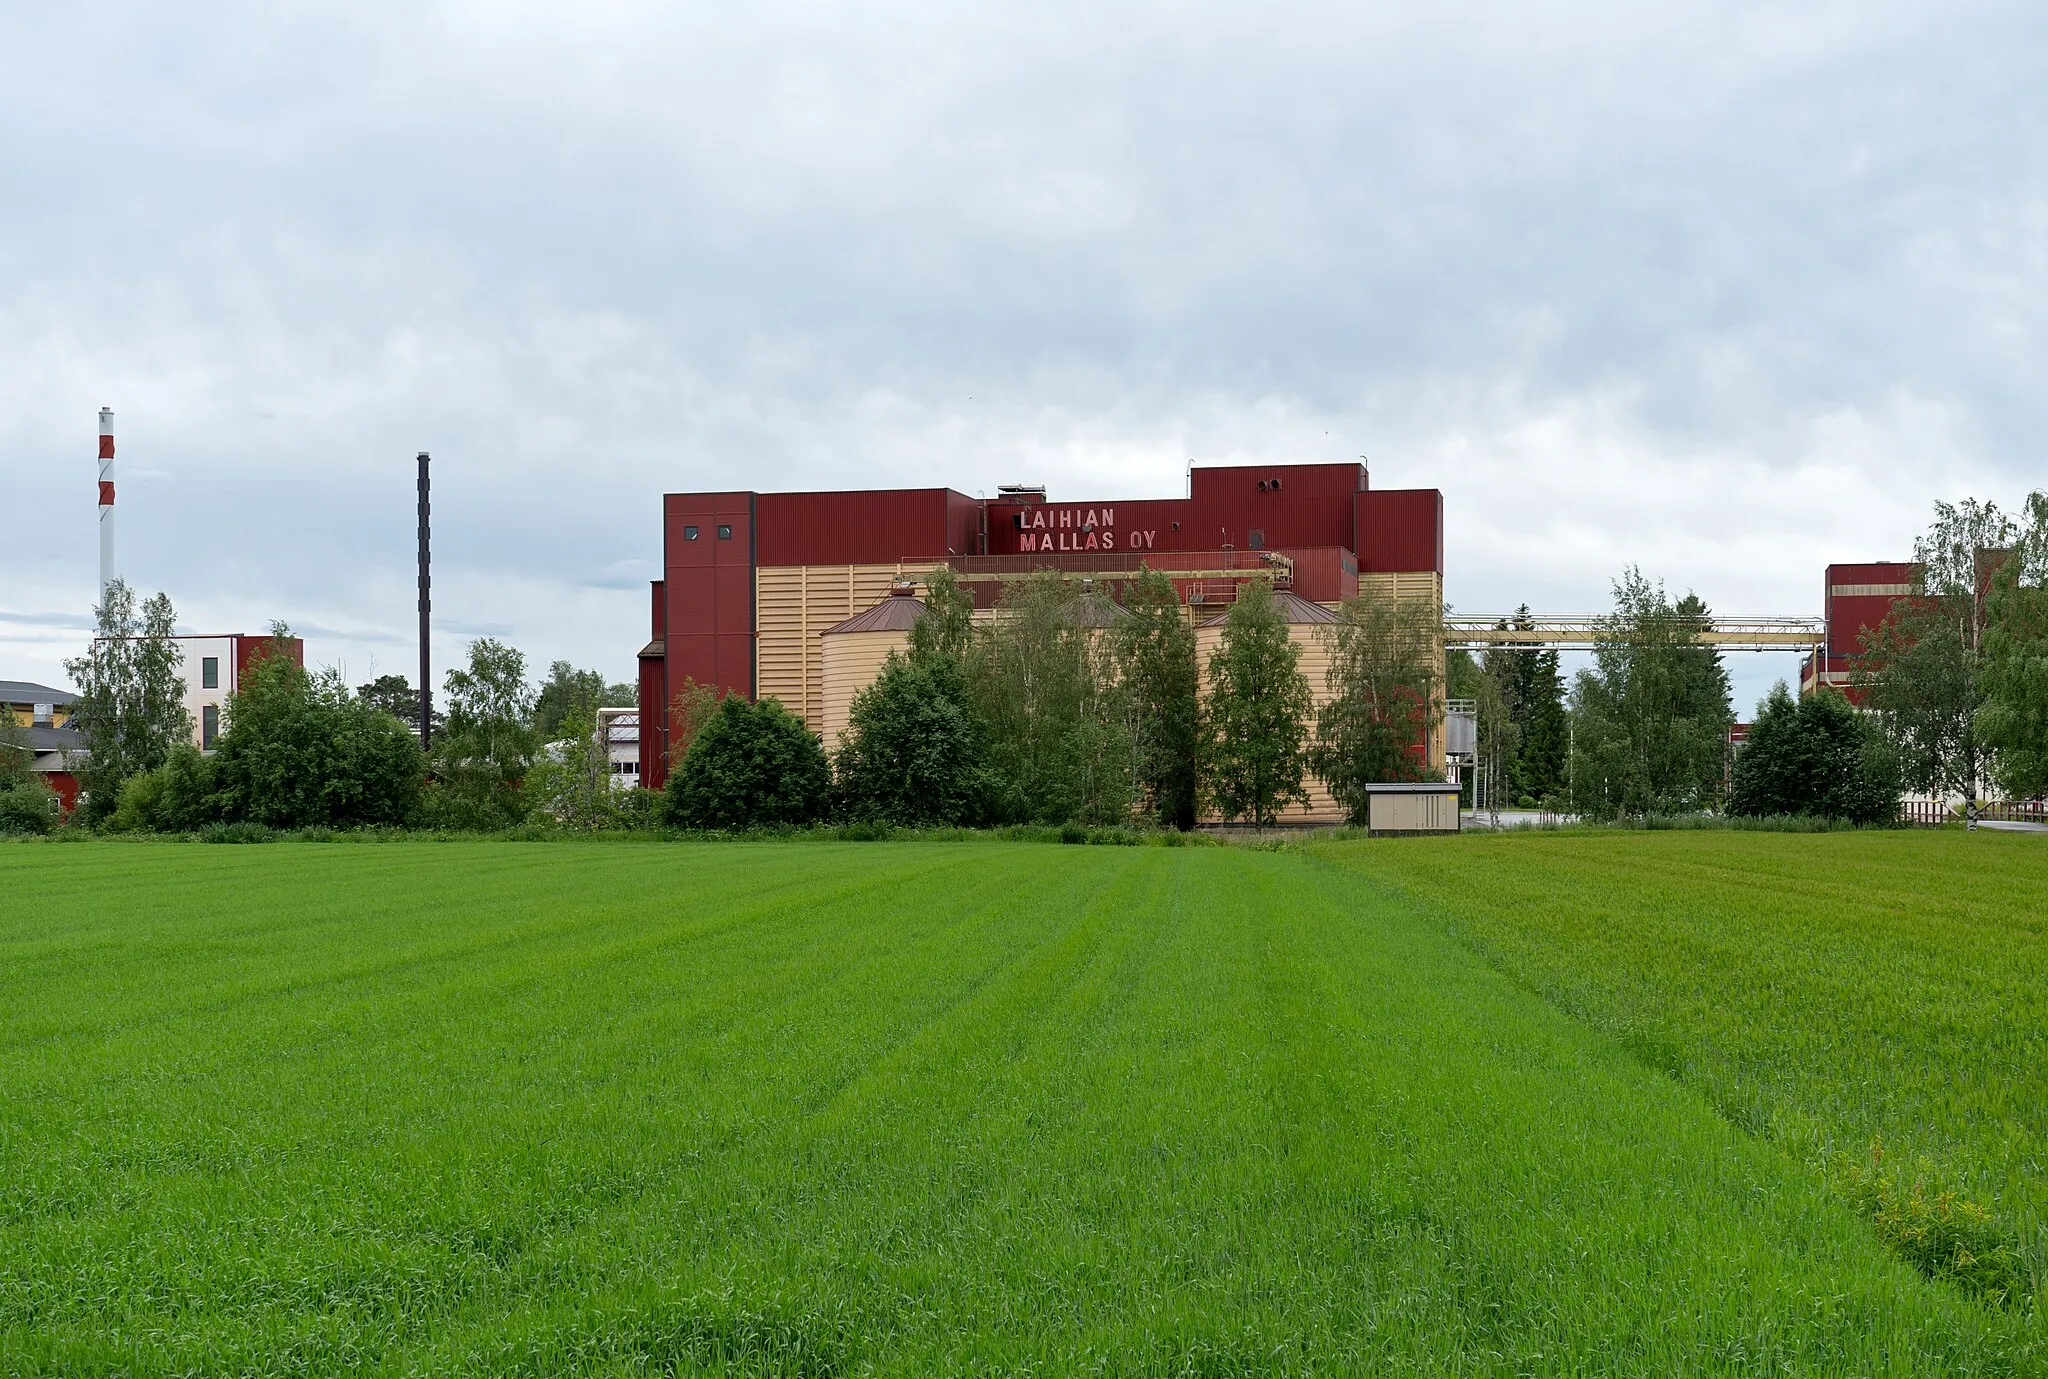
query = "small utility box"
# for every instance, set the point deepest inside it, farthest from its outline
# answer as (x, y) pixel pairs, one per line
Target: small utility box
(1396, 808)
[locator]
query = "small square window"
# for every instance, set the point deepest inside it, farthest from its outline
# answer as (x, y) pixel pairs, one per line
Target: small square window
(689, 533)
(1258, 539)
(724, 532)
(209, 672)
(209, 725)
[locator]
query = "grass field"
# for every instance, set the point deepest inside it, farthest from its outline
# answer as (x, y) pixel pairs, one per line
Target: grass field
(1824, 992)
(976, 1108)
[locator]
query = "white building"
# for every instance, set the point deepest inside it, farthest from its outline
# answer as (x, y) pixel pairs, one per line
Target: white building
(213, 669)
(621, 729)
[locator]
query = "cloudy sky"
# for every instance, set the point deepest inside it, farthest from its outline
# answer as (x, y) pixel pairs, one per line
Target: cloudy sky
(1728, 290)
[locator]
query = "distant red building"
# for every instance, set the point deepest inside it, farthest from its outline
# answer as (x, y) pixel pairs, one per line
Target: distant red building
(752, 580)
(1857, 597)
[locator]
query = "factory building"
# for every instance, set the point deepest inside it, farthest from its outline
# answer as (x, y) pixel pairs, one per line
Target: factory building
(753, 582)
(1854, 599)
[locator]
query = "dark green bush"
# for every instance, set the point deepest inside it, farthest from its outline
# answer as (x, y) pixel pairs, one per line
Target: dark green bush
(749, 766)
(301, 749)
(1814, 757)
(177, 797)
(914, 753)
(27, 805)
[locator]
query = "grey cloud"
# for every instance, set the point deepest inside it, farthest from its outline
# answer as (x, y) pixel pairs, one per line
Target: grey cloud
(1729, 290)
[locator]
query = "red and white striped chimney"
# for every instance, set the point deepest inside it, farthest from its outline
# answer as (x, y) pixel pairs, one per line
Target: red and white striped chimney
(106, 499)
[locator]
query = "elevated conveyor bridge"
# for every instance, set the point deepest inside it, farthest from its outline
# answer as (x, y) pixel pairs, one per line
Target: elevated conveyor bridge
(1581, 632)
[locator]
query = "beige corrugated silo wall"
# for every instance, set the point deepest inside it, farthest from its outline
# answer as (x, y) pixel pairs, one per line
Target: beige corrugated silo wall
(1322, 808)
(851, 661)
(1428, 586)
(793, 604)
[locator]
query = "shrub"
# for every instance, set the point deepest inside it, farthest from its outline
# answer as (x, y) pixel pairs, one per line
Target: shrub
(913, 753)
(243, 832)
(177, 797)
(302, 749)
(1816, 757)
(750, 766)
(140, 804)
(27, 805)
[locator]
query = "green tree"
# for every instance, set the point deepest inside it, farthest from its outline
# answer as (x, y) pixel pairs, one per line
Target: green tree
(480, 763)
(395, 695)
(568, 691)
(1497, 747)
(1921, 668)
(913, 753)
(2011, 721)
(688, 711)
(1257, 713)
(177, 797)
(1384, 697)
(300, 749)
(572, 778)
(1043, 684)
(1533, 690)
(1162, 698)
(131, 703)
(751, 766)
(1815, 756)
(1651, 717)
(943, 634)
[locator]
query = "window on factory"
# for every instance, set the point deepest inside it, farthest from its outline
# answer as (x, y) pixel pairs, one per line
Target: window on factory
(209, 672)
(724, 533)
(209, 725)
(689, 533)
(1257, 539)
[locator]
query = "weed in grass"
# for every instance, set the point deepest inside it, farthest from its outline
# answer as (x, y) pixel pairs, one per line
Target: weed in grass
(1944, 1236)
(237, 833)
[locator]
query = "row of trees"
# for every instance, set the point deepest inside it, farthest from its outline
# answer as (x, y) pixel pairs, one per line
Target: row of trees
(1953, 683)
(1643, 730)
(300, 748)
(1068, 707)
(1958, 673)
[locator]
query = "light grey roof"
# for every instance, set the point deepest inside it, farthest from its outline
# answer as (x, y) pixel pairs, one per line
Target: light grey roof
(28, 692)
(1411, 787)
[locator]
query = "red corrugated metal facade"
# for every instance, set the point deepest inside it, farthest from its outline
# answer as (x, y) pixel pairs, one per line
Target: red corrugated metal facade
(1856, 597)
(1324, 518)
(247, 649)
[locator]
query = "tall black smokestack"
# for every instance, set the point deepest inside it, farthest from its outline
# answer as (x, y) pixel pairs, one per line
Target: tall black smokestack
(426, 606)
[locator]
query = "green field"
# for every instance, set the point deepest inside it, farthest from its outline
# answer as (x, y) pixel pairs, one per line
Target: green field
(1544, 1105)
